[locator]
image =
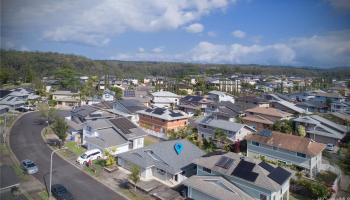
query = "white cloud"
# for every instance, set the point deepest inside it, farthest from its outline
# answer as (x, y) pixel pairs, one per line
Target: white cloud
(332, 49)
(195, 28)
(211, 33)
(141, 50)
(239, 34)
(97, 22)
(158, 50)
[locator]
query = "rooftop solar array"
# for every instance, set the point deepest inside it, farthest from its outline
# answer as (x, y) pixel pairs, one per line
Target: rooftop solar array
(266, 133)
(158, 111)
(244, 171)
(224, 162)
(266, 166)
(123, 124)
(175, 114)
(279, 175)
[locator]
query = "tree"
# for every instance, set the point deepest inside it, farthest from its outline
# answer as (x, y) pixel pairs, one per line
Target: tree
(67, 76)
(284, 126)
(45, 111)
(220, 135)
(182, 92)
(135, 175)
(110, 161)
(60, 128)
(208, 145)
(301, 131)
(118, 92)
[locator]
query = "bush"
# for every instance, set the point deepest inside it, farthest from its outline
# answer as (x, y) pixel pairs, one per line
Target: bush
(316, 189)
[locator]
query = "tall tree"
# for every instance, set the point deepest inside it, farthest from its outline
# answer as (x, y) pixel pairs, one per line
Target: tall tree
(135, 175)
(60, 128)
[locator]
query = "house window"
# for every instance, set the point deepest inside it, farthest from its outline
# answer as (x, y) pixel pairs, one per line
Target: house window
(275, 148)
(301, 155)
(207, 170)
(255, 143)
(263, 197)
(176, 177)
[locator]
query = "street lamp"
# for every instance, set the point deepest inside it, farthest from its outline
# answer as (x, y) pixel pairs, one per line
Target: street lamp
(51, 168)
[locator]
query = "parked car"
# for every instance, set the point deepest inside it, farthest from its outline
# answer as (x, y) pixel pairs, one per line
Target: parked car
(28, 108)
(92, 154)
(21, 109)
(29, 166)
(330, 147)
(54, 142)
(60, 192)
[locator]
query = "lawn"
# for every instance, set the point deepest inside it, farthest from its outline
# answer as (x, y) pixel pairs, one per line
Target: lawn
(150, 140)
(73, 147)
(43, 195)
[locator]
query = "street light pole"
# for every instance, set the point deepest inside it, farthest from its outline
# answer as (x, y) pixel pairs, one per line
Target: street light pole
(51, 168)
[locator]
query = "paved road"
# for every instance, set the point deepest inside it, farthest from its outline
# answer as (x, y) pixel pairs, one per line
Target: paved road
(26, 142)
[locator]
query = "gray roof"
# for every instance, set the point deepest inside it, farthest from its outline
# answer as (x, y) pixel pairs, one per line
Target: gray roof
(11, 101)
(223, 124)
(108, 137)
(64, 92)
(98, 124)
(83, 111)
(262, 180)
(216, 187)
(164, 94)
(163, 156)
(163, 113)
(131, 105)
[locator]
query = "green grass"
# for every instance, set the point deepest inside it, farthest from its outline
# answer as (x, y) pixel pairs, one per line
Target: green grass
(4, 150)
(27, 195)
(43, 195)
(294, 196)
(150, 140)
(92, 172)
(73, 147)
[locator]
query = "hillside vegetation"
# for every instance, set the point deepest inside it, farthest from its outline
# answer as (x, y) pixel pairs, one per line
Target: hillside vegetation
(23, 66)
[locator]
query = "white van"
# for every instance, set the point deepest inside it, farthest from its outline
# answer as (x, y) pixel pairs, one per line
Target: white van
(92, 154)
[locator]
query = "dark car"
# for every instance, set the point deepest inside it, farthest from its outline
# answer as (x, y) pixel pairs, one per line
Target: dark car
(60, 192)
(21, 109)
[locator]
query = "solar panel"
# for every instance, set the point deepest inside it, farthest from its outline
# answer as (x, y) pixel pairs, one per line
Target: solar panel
(158, 111)
(266, 133)
(123, 124)
(148, 110)
(224, 162)
(279, 175)
(266, 166)
(174, 114)
(244, 170)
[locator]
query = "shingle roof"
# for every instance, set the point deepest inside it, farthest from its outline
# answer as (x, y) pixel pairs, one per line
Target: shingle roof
(216, 187)
(163, 156)
(107, 137)
(289, 142)
(269, 111)
(262, 180)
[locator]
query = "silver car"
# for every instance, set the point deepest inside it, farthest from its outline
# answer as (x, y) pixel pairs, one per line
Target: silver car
(29, 166)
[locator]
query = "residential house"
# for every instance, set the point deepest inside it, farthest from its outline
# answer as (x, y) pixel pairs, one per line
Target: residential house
(256, 178)
(165, 99)
(193, 104)
(224, 110)
(313, 106)
(4, 109)
(17, 97)
(234, 131)
(169, 162)
(162, 120)
(108, 95)
(128, 109)
(331, 97)
(246, 102)
(263, 118)
(66, 98)
(115, 135)
(286, 148)
(280, 102)
(218, 96)
(322, 130)
(230, 85)
(343, 107)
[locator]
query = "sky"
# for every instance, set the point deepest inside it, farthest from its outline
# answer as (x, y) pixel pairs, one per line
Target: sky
(268, 32)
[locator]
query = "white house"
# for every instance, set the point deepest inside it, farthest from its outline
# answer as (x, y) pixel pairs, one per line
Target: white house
(220, 96)
(164, 99)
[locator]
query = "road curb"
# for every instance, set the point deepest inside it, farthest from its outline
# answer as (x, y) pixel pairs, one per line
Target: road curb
(65, 159)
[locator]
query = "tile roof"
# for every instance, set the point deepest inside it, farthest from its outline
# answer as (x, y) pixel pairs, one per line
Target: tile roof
(216, 187)
(289, 142)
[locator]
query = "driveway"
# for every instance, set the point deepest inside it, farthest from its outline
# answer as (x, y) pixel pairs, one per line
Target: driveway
(26, 142)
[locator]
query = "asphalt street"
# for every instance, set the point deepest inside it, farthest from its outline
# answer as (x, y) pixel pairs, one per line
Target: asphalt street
(27, 143)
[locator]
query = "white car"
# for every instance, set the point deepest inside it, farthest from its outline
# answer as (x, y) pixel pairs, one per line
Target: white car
(330, 147)
(92, 154)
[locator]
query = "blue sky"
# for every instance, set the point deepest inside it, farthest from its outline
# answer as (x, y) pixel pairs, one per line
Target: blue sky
(288, 32)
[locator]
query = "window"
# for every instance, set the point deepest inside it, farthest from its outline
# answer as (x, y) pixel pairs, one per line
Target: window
(301, 155)
(263, 197)
(255, 143)
(176, 177)
(207, 170)
(275, 148)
